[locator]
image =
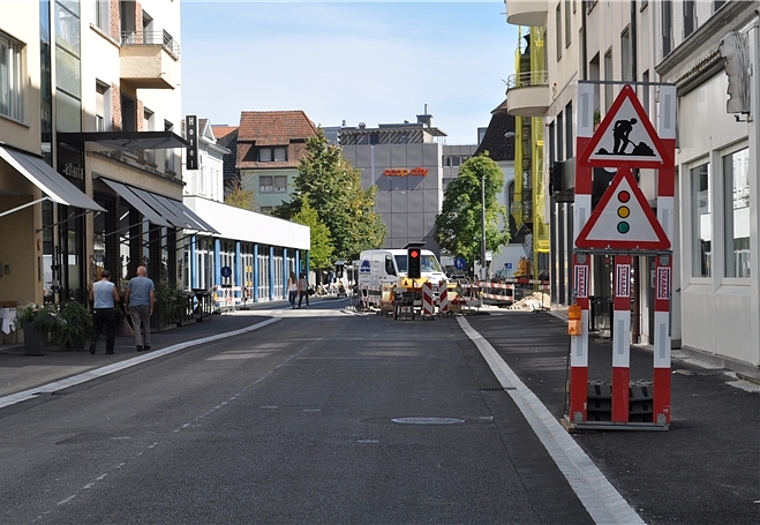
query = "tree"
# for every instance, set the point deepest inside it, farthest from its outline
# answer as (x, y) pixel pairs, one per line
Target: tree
(321, 248)
(459, 225)
(333, 188)
(239, 197)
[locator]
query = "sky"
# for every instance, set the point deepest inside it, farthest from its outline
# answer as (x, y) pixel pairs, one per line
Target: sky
(374, 62)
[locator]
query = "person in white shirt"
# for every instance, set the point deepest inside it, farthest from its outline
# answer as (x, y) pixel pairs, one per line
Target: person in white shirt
(104, 297)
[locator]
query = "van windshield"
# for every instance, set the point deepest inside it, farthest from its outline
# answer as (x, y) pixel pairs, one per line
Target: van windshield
(428, 264)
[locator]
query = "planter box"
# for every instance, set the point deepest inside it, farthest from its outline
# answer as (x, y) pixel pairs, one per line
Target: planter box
(35, 342)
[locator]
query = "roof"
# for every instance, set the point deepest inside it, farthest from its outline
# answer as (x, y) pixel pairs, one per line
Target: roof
(221, 131)
(275, 128)
(495, 141)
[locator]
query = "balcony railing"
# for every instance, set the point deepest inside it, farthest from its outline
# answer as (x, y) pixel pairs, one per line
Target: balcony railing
(151, 38)
(527, 79)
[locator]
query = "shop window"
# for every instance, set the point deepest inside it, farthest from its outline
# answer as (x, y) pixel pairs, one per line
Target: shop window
(736, 220)
(11, 96)
(701, 221)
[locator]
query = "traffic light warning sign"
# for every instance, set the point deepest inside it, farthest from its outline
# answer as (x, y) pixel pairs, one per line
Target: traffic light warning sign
(625, 137)
(623, 220)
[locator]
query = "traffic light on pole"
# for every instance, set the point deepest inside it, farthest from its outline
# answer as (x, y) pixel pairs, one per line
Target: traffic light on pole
(414, 263)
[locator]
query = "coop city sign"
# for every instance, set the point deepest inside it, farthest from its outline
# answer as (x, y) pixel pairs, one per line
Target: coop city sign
(404, 172)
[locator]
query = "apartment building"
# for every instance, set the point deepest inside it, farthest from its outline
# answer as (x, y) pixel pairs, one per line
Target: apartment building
(706, 49)
(270, 145)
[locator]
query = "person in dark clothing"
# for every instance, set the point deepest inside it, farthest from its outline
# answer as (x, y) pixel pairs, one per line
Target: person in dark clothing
(104, 297)
(303, 290)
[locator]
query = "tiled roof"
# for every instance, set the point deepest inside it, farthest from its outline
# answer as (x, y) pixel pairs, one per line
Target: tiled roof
(222, 131)
(275, 128)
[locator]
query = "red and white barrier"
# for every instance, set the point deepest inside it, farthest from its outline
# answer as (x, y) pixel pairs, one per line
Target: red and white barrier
(444, 305)
(428, 300)
(621, 340)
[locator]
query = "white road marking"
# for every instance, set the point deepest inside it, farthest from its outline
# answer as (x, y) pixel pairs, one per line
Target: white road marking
(600, 498)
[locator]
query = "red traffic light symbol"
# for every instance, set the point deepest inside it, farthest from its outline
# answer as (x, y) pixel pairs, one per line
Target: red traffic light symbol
(414, 254)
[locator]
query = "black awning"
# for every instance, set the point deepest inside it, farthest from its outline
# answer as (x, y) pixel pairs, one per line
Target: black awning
(140, 205)
(126, 140)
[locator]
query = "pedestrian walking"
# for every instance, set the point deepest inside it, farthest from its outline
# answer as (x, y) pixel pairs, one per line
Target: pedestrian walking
(303, 290)
(104, 297)
(292, 289)
(139, 301)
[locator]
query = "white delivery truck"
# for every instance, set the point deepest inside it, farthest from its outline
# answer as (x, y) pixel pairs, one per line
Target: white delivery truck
(380, 271)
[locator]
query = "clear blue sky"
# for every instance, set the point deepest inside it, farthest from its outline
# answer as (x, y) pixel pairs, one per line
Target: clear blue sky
(372, 62)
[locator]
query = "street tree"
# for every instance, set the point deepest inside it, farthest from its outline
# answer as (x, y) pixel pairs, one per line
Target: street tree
(459, 225)
(321, 248)
(239, 197)
(334, 190)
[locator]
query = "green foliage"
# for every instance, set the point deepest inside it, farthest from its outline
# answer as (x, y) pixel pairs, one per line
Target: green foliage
(239, 197)
(333, 188)
(74, 320)
(170, 299)
(459, 225)
(42, 317)
(321, 250)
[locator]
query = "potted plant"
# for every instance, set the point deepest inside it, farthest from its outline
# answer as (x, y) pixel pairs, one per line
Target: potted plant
(73, 326)
(37, 321)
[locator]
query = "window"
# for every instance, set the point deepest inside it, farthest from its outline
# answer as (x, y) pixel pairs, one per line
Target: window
(568, 24)
(736, 218)
(608, 75)
(645, 91)
(569, 131)
(560, 136)
(170, 158)
(701, 221)
(689, 18)
(266, 184)
(281, 184)
(266, 209)
(11, 99)
(273, 154)
(717, 5)
(103, 15)
(667, 27)
(149, 123)
(558, 23)
(102, 107)
(626, 53)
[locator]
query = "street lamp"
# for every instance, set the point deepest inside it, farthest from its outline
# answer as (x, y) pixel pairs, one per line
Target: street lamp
(483, 271)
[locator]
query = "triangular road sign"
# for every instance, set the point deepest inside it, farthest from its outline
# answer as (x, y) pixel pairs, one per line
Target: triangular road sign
(623, 220)
(625, 137)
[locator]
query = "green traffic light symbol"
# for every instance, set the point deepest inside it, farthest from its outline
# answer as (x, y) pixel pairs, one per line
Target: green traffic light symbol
(623, 212)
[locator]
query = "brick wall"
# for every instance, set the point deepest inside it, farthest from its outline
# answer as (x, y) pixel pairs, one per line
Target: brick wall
(116, 106)
(115, 21)
(138, 23)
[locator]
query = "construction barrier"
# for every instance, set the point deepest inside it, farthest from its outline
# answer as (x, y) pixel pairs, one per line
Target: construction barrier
(428, 300)
(226, 298)
(444, 305)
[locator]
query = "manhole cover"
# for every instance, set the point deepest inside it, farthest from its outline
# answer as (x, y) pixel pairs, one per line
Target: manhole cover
(428, 421)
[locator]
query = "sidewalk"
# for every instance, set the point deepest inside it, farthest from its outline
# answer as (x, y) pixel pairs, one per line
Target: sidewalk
(20, 372)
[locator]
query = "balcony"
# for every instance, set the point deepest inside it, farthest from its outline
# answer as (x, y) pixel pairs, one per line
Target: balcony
(527, 13)
(149, 60)
(528, 94)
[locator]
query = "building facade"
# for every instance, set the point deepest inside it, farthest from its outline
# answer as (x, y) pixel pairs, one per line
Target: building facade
(270, 145)
(706, 49)
(404, 161)
(249, 255)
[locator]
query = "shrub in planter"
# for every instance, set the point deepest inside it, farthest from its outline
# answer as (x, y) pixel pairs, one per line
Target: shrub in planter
(42, 317)
(73, 325)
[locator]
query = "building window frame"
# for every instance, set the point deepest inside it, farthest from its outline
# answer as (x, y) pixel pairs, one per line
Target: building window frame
(735, 188)
(558, 23)
(701, 223)
(12, 76)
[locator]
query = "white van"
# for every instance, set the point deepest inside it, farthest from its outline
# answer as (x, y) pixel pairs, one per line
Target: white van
(381, 270)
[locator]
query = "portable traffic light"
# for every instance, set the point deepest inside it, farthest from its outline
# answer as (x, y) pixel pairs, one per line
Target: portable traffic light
(414, 263)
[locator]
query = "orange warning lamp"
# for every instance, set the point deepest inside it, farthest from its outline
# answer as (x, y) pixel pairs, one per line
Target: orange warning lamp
(574, 325)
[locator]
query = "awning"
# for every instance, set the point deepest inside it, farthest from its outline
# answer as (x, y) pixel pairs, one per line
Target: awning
(125, 193)
(126, 140)
(158, 209)
(52, 183)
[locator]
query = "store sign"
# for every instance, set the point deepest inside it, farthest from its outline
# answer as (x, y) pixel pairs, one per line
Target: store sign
(72, 171)
(403, 172)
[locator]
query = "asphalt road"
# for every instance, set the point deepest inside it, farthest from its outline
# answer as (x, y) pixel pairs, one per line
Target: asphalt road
(319, 418)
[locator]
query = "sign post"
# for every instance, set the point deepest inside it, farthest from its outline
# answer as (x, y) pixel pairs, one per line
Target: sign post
(623, 225)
